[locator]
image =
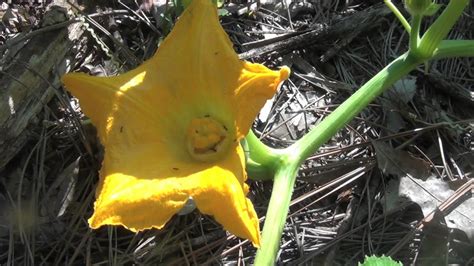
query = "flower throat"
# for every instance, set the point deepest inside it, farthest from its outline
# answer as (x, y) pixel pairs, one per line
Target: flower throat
(207, 139)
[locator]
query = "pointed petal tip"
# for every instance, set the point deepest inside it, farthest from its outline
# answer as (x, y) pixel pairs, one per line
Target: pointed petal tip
(66, 78)
(256, 239)
(284, 73)
(93, 223)
(256, 236)
(73, 80)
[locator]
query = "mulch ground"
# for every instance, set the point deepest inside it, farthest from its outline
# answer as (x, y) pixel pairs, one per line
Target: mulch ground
(369, 190)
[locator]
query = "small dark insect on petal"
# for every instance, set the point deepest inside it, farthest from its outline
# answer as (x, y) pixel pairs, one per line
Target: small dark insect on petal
(207, 116)
(225, 128)
(121, 129)
(175, 168)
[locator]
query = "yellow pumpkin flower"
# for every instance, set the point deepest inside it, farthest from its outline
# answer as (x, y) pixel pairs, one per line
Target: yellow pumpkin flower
(171, 129)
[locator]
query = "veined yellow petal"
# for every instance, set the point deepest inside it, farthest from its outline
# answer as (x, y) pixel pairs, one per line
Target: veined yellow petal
(170, 129)
(222, 195)
(218, 190)
(136, 204)
(257, 84)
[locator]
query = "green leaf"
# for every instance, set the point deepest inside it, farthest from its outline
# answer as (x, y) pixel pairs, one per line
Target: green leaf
(379, 261)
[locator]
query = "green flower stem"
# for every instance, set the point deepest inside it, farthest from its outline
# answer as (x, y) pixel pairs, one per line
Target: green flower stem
(258, 172)
(398, 14)
(259, 152)
(276, 214)
(440, 28)
(263, 160)
(415, 32)
(454, 48)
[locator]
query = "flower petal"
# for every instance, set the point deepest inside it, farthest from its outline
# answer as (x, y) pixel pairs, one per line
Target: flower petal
(256, 85)
(136, 204)
(222, 194)
(143, 117)
(200, 57)
(218, 190)
(132, 109)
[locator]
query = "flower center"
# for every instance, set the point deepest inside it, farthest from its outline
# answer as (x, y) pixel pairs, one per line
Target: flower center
(207, 139)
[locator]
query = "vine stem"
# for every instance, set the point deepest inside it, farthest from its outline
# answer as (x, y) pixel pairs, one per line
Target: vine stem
(283, 184)
(322, 132)
(440, 28)
(454, 48)
(286, 162)
(298, 152)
